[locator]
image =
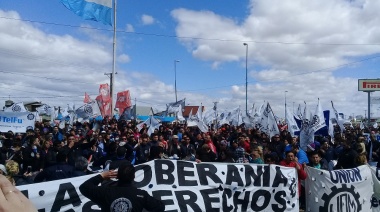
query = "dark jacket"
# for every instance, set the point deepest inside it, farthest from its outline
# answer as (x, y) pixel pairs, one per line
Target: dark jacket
(55, 172)
(123, 195)
(346, 159)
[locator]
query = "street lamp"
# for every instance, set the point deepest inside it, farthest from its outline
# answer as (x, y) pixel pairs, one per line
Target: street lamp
(175, 78)
(285, 105)
(246, 78)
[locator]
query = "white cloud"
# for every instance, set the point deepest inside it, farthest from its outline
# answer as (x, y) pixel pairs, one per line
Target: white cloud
(58, 69)
(123, 58)
(298, 68)
(130, 28)
(147, 19)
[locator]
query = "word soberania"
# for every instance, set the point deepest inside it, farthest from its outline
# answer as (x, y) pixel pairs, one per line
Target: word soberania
(187, 186)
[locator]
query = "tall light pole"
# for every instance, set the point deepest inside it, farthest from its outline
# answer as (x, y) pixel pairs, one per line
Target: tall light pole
(175, 78)
(246, 78)
(285, 105)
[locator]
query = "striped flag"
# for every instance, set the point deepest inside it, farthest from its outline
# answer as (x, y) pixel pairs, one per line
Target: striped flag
(96, 10)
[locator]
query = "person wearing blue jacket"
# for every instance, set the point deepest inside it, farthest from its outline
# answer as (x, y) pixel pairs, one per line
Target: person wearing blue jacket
(300, 154)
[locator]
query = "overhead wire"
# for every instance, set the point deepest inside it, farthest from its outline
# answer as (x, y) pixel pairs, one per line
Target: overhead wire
(171, 36)
(196, 38)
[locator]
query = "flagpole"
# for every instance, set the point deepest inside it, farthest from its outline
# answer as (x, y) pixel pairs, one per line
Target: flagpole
(113, 57)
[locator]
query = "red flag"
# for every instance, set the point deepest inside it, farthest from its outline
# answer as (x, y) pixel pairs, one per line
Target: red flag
(87, 98)
(123, 100)
(104, 92)
(104, 100)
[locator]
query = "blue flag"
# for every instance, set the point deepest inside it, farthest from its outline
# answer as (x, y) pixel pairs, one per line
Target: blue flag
(96, 10)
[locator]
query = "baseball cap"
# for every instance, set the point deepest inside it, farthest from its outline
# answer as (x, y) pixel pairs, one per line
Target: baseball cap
(175, 136)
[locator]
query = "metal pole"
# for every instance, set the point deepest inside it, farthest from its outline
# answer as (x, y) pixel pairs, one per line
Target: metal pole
(113, 57)
(369, 108)
(285, 105)
(175, 78)
(246, 78)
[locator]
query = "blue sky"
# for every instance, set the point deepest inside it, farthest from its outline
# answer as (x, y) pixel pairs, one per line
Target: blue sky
(293, 46)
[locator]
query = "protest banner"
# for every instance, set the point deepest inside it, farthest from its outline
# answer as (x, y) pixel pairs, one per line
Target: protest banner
(16, 121)
(339, 190)
(187, 186)
(375, 200)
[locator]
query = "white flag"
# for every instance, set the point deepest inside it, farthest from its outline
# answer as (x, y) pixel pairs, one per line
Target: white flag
(267, 122)
(209, 116)
(70, 107)
(292, 124)
(62, 124)
(375, 125)
(152, 124)
(306, 132)
(89, 110)
(318, 120)
(331, 130)
(191, 120)
(236, 117)
(179, 114)
(16, 107)
(45, 109)
(338, 118)
(299, 112)
(362, 125)
(199, 113)
(64, 112)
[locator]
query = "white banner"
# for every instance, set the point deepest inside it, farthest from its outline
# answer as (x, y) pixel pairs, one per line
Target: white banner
(187, 186)
(375, 200)
(16, 121)
(339, 190)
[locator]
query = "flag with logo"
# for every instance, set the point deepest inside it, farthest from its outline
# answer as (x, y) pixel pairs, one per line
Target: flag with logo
(104, 100)
(267, 122)
(173, 107)
(45, 109)
(318, 119)
(339, 190)
(88, 110)
(96, 10)
(306, 133)
(123, 100)
(16, 107)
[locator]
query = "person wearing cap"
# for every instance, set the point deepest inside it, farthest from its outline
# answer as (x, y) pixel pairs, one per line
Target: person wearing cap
(174, 147)
(124, 196)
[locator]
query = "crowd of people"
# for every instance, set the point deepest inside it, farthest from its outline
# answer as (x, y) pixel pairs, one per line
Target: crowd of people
(50, 153)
